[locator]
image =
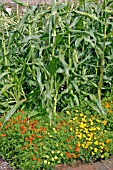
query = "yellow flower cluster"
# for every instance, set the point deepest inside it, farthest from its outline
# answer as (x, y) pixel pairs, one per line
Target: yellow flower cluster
(89, 133)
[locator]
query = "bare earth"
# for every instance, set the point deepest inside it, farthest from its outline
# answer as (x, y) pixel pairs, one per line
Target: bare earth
(100, 165)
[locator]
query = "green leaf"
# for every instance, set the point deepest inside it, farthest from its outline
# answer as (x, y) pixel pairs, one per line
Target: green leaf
(12, 111)
(3, 74)
(6, 87)
(19, 3)
(58, 39)
(88, 15)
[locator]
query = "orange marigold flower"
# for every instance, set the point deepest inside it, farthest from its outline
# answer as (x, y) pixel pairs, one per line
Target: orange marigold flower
(68, 154)
(107, 105)
(22, 111)
(3, 135)
(6, 127)
(0, 123)
(26, 138)
(69, 146)
(23, 148)
(34, 158)
(108, 141)
(40, 137)
(71, 137)
(74, 156)
(104, 122)
(109, 111)
(77, 149)
(78, 144)
(38, 159)
(78, 155)
(67, 140)
(12, 127)
(106, 149)
(44, 129)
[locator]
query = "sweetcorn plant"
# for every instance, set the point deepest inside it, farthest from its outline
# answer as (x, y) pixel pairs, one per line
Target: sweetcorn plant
(52, 54)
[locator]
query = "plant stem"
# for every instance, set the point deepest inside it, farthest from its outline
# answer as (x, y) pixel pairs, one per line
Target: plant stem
(100, 84)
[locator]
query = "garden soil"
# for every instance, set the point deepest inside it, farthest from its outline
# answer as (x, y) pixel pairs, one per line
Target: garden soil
(76, 165)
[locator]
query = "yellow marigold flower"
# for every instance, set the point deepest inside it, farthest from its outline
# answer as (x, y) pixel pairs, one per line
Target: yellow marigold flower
(102, 156)
(76, 110)
(83, 120)
(102, 143)
(98, 128)
(81, 114)
(56, 157)
(52, 152)
(77, 133)
(80, 136)
(101, 147)
(71, 128)
(108, 141)
(96, 142)
(104, 122)
(93, 153)
(91, 123)
(94, 128)
(98, 120)
(83, 125)
(101, 151)
(91, 129)
(58, 151)
(47, 156)
(48, 163)
(89, 139)
(105, 131)
(95, 149)
(87, 144)
(74, 118)
(86, 130)
(91, 147)
(70, 121)
(61, 154)
(83, 145)
(67, 112)
(52, 159)
(45, 161)
(90, 134)
(95, 137)
(84, 135)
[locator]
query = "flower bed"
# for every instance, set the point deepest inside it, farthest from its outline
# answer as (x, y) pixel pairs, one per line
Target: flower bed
(31, 143)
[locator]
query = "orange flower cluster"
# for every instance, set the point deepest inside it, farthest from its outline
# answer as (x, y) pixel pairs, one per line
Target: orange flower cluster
(31, 138)
(23, 129)
(3, 135)
(107, 105)
(68, 155)
(0, 123)
(77, 150)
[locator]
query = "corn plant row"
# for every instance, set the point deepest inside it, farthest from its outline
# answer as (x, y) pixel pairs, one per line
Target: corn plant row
(53, 54)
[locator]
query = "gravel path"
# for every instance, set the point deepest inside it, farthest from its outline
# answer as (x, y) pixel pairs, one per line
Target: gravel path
(100, 165)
